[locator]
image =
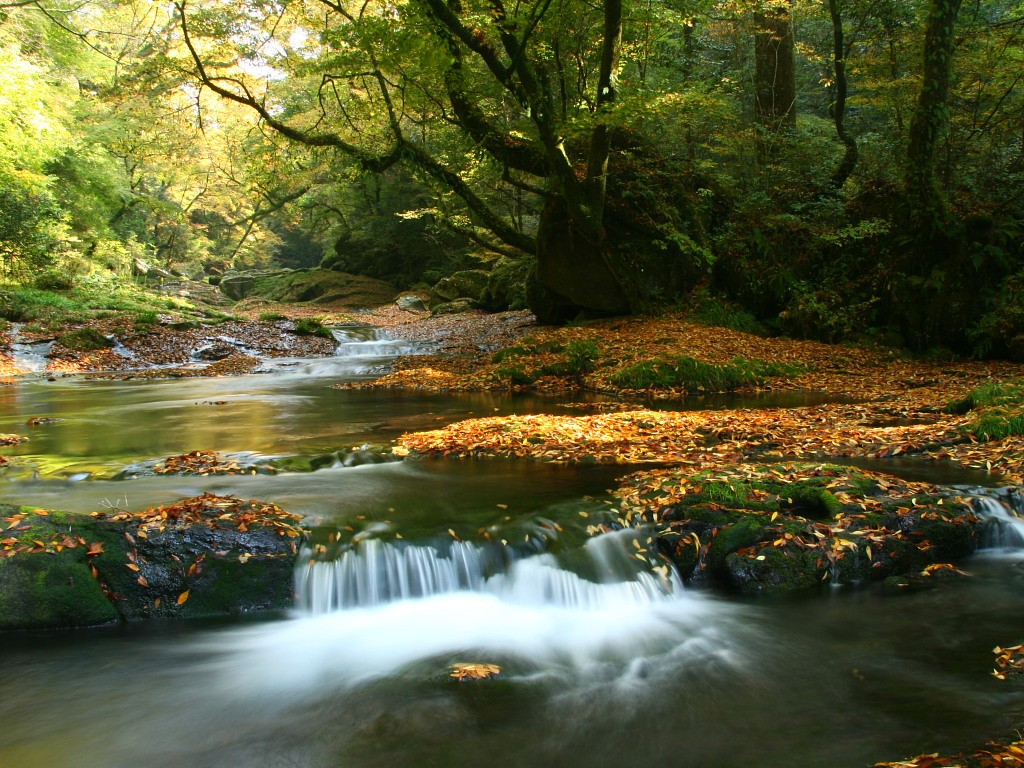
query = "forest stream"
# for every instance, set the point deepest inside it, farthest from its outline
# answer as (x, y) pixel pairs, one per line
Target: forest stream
(604, 662)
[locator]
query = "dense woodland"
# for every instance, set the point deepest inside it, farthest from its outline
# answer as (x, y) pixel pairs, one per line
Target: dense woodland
(838, 169)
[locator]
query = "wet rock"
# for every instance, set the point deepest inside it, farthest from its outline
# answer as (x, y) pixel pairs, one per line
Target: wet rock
(214, 351)
(207, 556)
(411, 303)
(789, 527)
(454, 307)
(237, 287)
(467, 284)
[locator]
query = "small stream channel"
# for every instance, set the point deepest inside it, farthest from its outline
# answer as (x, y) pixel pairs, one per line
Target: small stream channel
(606, 662)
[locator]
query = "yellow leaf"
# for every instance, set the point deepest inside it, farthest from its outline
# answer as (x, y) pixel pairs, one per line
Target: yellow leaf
(183, 597)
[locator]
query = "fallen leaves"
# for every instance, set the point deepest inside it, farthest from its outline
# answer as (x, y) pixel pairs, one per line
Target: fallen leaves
(212, 511)
(474, 671)
(23, 534)
(1009, 662)
(207, 463)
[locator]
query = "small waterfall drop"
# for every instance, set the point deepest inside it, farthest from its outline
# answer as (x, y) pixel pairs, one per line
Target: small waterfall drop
(1004, 528)
(375, 572)
(365, 341)
(28, 356)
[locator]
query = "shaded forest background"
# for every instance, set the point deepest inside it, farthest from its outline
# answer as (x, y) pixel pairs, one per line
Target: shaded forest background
(839, 170)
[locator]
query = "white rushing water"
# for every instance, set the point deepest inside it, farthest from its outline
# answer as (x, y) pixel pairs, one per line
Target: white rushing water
(28, 357)
(384, 606)
(376, 572)
(1003, 529)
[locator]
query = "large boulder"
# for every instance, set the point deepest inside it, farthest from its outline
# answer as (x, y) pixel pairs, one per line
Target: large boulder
(793, 526)
(467, 284)
(322, 286)
(237, 287)
(205, 556)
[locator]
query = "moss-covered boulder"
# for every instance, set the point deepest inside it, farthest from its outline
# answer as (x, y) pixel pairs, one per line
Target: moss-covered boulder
(508, 284)
(792, 526)
(453, 307)
(322, 286)
(206, 556)
(467, 284)
(45, 576)
(85, 340)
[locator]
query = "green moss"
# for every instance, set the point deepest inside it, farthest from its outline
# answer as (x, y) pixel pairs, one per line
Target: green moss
(691, 375)
(48, 591)
(744, 533)
(85, 339)
(312, 326)
(811, 501)
(516, 376)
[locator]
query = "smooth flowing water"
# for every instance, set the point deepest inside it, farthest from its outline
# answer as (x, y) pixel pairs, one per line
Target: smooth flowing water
(607, 661)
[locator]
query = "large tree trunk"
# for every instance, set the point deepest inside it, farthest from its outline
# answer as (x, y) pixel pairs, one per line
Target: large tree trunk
(929, 216)
(573, 275)
(775, 70)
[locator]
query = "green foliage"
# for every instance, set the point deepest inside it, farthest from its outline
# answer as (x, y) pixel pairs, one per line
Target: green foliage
(85, 339)
(690, 375)
(1000, 406)
(312, 326)
(516, 375)
(709, 310)
(270, 317)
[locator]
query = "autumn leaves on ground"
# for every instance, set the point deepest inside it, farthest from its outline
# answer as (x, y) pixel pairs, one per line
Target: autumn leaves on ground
(749, 498)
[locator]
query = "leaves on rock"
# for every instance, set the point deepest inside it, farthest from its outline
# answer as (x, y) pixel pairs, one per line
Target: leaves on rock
(474, 671)
(214, 512)
(206, 463)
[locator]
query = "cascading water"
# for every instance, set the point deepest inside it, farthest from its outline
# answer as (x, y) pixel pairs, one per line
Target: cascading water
(374, 572)
(1004, 528)
(365, 341)
(28, 357)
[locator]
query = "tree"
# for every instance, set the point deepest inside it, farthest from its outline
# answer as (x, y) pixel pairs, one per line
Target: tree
(929, 215)
(775, 67)
(531, 90)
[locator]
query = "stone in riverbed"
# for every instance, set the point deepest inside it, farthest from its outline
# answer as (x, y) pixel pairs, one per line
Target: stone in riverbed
(207, 556)
(792, 526)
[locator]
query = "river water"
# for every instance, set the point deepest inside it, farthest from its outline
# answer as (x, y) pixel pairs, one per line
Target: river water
(606, 662)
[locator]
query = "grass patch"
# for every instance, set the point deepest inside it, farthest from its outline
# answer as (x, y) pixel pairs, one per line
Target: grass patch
(312, 326)
(1000, 406)
(708, 310)
(691, 375)
(92, 297)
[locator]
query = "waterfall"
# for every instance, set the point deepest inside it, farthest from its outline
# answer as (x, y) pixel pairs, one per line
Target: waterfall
(364, 341)
(375, 572)
(1003, 528)
(28, 357)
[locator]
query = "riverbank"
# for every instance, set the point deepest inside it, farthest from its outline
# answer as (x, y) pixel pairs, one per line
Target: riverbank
(741, 492)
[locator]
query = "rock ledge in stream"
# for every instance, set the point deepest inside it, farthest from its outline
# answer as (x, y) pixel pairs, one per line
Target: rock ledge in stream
(763, 529)
(204, 556)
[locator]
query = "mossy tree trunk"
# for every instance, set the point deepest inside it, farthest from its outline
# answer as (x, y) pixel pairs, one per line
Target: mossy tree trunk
(775, 69)
(929, 215)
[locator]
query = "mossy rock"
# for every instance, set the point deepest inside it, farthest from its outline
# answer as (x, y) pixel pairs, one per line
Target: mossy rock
(196, 571)
(467, 284)
(51, 591)
(773, 569)
(322, 286)
(805, 521)
(454, 307)
(84, 340)
(509, 284)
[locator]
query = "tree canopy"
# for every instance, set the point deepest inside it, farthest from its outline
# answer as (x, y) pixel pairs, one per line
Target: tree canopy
(837, 168)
